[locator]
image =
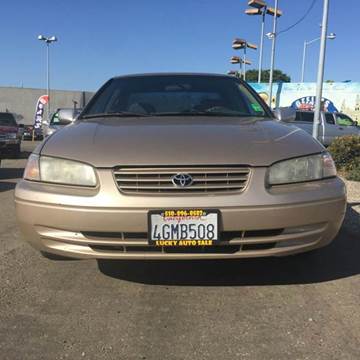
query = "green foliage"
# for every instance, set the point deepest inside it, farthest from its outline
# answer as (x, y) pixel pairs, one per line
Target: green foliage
(278, 76)
(345, 151)
(354, 174)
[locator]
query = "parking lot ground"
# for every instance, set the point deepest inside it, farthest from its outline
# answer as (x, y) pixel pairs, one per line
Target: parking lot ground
(300, 307)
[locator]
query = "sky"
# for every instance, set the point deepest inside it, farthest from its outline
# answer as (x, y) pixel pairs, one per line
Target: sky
(102, 39)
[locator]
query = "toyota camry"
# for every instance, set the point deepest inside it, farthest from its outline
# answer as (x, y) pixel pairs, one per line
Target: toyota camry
(179, 166)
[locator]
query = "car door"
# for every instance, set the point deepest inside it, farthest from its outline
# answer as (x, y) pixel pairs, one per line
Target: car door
(331, 129)
(304, 120)
(346, 125)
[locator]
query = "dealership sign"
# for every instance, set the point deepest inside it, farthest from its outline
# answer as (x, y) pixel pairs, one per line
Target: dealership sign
(39, 112)
(308, 103)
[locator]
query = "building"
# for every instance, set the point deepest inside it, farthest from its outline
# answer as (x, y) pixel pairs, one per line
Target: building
(22, 101)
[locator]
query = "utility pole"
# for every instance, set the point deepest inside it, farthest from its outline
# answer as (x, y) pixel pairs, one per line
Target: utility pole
(48, 40)
(320, 76)
(273, 46)
(262, 44)
(331, 36)
(239, 44)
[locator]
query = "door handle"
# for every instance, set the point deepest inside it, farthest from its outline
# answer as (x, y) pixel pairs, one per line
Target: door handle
(341, 128)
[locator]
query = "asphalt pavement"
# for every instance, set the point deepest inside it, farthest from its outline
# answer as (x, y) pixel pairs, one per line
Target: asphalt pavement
(300, 307)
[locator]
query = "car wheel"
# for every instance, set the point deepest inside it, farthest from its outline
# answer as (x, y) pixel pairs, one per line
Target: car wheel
(54, 256)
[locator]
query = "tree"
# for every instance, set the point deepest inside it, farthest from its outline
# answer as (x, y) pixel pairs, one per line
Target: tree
(278, 76)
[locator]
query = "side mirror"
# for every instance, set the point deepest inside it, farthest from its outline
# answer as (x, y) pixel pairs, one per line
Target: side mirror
(285, 114)
(66, 116)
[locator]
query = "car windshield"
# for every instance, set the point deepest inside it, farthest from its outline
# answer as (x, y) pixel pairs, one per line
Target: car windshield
(7, 119)
(175, 95)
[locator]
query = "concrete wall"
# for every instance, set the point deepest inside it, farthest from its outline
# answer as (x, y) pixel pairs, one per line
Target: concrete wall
(22, 101)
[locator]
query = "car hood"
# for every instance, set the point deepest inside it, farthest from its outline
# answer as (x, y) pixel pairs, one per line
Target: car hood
(179, 141)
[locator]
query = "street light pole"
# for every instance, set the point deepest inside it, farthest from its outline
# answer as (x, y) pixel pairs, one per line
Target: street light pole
(274, 35)
(320, 77)
(48, 41)
(244, 61)
(242, 44)
(260, 7)
(261, 43)
(331, 36)
(303, 63)
(48, 78)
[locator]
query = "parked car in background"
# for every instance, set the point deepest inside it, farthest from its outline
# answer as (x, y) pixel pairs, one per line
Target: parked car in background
(332, 125)
(10, 137)
(60, 118)
(179, 166)
(30, 132)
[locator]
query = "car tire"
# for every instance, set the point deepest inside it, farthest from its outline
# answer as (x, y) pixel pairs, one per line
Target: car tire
(54, 256)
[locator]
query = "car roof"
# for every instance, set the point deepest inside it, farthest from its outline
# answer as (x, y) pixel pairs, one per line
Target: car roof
(6, 112)
(173, 74)
(312, 111)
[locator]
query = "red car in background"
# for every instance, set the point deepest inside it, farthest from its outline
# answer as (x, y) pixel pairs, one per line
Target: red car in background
(10, 137)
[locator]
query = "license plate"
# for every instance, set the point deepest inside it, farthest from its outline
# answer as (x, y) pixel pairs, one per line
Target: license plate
(195, 227)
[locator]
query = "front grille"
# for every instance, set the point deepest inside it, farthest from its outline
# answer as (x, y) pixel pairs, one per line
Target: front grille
(128, 242)
(219, 249)
(225, 236)
(204, 179)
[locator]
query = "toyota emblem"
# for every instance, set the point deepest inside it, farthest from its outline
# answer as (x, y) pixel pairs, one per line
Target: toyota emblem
(182, 180)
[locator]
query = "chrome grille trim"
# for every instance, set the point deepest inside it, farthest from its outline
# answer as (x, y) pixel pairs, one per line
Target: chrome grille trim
(159, 179)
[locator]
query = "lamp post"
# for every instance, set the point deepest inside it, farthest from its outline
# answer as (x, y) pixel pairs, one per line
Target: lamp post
(273, 36)
(243, 44)
(242, 63)
(320, 76)
(331, 36)
(234, 73)
(260, 7)
(48, 40)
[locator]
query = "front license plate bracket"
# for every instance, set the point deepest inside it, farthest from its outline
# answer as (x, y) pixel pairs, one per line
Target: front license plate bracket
(183, 227)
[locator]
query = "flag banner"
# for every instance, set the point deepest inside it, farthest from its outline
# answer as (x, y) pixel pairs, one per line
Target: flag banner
(39, 112)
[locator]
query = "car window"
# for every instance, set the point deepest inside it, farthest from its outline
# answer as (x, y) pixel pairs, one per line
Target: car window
(176, 94)
(304, 116)
(7, 119)
(343, 120)
(55, 119)
(330, 119)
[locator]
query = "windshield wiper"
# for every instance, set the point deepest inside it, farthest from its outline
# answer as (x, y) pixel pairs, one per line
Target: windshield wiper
(114, 114)
(200, 113)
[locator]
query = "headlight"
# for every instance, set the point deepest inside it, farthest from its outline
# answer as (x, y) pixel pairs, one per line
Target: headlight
(307, 168)
(53, 170)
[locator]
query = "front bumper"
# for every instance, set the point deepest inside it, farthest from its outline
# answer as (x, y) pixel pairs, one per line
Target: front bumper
(103, 223)
(9, 143)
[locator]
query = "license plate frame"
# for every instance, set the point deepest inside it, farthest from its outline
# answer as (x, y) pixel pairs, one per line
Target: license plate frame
(184, 216)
